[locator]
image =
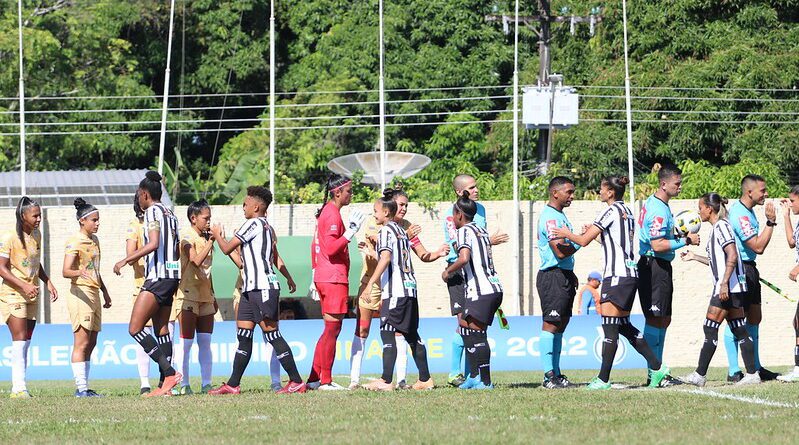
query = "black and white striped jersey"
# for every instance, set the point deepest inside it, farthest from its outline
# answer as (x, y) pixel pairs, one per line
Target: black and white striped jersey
(481, 277)
(721, 236)
(618, 231)
(796, 241)
(163, 262)
(257, 250)
(398, 280)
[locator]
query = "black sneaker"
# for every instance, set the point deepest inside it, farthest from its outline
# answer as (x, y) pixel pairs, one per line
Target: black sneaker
(669, 381)
(766, 375)
(551, 381)
(144, 391)
(564, 381)
(735, 378)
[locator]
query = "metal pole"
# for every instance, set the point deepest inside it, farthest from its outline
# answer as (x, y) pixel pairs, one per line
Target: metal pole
(272, 97)
(516, 235)
(628, 103)
(22, 160)
(544, 67)
(162, 140)
(381, 88)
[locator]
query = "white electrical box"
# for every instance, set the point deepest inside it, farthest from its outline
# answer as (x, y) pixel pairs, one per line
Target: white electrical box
(536, 103)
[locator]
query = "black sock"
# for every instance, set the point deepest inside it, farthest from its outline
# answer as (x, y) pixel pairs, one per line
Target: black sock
(283, 353)
(419, 352)
(637, 340)
(387, 334)
(165, 343)
(242, 357)
(482, 353)
(150, 346)
(469, 350)
(610, 326)
(711, 329)
(745, 344)
(796, 355)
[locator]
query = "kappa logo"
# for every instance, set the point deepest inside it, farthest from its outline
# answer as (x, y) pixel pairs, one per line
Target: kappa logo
(456, 306)
(87, 318)
(654, 308)
(554, 313)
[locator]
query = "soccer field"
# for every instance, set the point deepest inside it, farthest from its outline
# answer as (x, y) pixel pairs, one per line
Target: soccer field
(518, 411)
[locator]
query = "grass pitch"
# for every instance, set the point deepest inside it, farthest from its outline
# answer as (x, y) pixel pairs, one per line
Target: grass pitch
(518, 411)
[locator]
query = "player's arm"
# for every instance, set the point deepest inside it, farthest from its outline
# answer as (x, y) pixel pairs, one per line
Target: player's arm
(580, 301)
(786, 213)
(9, 278)
(330, 243)
(560, 249)
(226, 246)
(195, 256)
(281, 265)
(154, 233)
(50, 287)
(691, 256)
(758, 243)
(104, 290)
(583, 240)
(464, 255)
(427, 256)
(68, 270)
(235, 256)
(730, 262)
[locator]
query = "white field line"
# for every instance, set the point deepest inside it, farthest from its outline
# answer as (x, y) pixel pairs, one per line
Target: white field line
(745, 399)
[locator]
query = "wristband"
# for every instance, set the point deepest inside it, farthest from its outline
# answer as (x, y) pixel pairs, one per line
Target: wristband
(771, 223)
(677, 243)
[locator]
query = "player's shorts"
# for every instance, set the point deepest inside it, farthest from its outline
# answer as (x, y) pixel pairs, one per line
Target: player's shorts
(753, 290)
(403, 317)
(620, 291)
(483, 308)
(259, 305)
(199, 309)
(735, 301)
(19, 309)
(85, 308)
(655, 286)
(556, 289)
(333, 297)
(163, 289)
(374, 296)
(456, 285)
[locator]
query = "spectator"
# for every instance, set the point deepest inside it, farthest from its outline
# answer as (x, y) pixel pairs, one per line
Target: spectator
(588, 295)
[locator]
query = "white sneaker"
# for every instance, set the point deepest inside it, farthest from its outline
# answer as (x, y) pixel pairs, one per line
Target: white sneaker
(332, 386)
(695, 379)
(749, 379)
(313, 385)
(792, 376)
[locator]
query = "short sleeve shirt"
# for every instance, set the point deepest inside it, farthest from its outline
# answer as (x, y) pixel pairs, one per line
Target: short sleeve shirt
(550, 219)
(655, 222)
(195, 282)
(450, 232)
(744, 224)
(87, 251)
(24, 262)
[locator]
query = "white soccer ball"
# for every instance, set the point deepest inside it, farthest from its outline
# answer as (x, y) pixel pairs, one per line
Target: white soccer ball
(687, 221)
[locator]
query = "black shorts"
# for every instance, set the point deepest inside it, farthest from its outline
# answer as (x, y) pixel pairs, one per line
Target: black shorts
(163, 289)
(255, 308)
(403, 317)
(752, 294)
(655, 286)
(456, 286)
(620, 291)
(735, 301)
(556, 289)
(483, 307)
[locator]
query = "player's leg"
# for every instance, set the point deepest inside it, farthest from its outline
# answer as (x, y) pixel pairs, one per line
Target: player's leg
(754, 315)
(160, 319)
(333, 298)
(145, 308)
(479, 352)
(247, 314)
(734, 373)
(19, 336)
(713, 319)
(402, 361)
(419, 352)
(187, 320)
(456, 290)
(735, 318)
(363, 315)
(270, 311)
(205, 329)
(793, 376)
(80, 350)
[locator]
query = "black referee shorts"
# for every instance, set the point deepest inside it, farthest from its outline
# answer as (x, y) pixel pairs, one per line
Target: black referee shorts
(753, 289)
(483, 307)
(163, 289)
(620, 291)
(259, 305)
(655, 286)
(556, 289)
(456, 285)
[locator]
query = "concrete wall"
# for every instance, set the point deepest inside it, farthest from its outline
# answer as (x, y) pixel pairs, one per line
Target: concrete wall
(691, 280)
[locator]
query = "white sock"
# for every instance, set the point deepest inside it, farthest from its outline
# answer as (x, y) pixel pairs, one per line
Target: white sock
(79, 371)
(177, 350)
(143, 362)
(356, 358)
(274, 365)
(186, 359)
(18, 366)
(402, 358)
(25, 353)
(204, 356)
(88, 366)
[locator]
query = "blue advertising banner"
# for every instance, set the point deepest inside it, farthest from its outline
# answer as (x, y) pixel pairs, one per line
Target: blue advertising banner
(515, 349)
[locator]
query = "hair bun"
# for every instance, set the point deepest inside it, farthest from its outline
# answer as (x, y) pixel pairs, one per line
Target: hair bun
(153, 176)
(465, 194)
(623, 180)
(79, 202)
(388, 193)
(724, 201)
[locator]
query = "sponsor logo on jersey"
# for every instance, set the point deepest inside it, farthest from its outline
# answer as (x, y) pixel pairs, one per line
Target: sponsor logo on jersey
(550, 226)
(746, 226)
(334, 227)
(656, 226)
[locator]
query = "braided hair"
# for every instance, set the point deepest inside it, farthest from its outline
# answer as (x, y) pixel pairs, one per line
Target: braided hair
(334, 182)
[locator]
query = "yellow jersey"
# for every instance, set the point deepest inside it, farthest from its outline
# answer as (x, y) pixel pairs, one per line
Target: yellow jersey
(370, 264)
(136, 233)
(195, 282)
(87, 249)
(24, 262)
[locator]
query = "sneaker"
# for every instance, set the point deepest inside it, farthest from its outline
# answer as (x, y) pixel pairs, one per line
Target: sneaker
(293, 387)
(93, 393)
(313, 385)
(144, 390)
(750, 379)
(481, 385)
(792, 376)
(564, 381)
(423, 386)
(225, 389)
(735, 378)
(456, 380)
(81, 394)
(470, 382)
(766, 375)
(379, 385)
(551, 381)
(24, 394)
(332, 386)
(669, 381)
(402, 384)
(695, 379)
(185, 391)
(166, 388)
(657, 377)
(276, 387)
(353, 386)
(206, 388)
(597, 384)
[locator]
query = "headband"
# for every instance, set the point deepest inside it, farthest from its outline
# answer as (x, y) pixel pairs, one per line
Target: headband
(349, 181)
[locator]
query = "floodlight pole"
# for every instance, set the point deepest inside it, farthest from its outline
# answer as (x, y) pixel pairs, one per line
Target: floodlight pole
(516, 235)
(381, 88)
(272, 97)
(628, 102)
(22, 160)
(162, 140)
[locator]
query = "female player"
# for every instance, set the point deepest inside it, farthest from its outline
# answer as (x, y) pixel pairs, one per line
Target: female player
(82, 267)
(20, 269)
(195, 305)
(791, 205)
(133, 242)
(331, 262)
(615, 227)
(162, 276)
(365, 311)
(729, 286)
(483, 291)
(399, 311)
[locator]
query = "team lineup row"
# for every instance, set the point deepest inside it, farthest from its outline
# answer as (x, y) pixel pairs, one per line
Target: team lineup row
(172, 269)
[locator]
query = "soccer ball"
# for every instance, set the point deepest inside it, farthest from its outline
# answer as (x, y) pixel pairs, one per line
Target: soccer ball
(687, 221)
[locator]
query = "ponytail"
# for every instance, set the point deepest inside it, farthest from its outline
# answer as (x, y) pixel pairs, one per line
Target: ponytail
(23, 205)
(334, 182)
(387, 201)
(466, 206)
(618, 184)
(716, 203)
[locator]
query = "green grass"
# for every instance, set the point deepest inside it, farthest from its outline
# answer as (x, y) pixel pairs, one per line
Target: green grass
(518, 411)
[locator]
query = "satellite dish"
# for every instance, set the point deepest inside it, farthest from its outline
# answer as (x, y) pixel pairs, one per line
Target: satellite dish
(397, 164)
